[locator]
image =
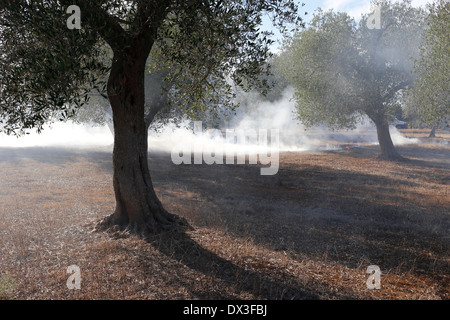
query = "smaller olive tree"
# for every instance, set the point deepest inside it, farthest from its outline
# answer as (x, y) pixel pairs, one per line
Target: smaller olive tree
(343, 71)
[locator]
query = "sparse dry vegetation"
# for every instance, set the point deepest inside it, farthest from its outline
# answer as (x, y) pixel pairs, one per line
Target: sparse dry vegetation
(308, 232)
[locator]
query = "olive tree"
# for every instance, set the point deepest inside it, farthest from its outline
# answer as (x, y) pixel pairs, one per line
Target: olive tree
(343, 70)
(48, 70)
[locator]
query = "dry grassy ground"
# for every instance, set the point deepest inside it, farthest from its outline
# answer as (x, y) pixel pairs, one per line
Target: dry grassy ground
(309, 232)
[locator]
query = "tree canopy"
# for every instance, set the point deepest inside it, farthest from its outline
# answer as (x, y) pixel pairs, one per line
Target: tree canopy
(201, 46)
(342, 70)
(430, 97)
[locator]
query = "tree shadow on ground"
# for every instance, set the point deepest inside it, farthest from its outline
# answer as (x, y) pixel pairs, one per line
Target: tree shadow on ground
(181, 247)
(344, 216)
(336, 214)
(431, 155)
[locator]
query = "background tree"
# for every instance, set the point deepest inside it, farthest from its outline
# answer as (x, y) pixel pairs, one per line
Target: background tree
(430, 97)
(47, 70)
(342, 70)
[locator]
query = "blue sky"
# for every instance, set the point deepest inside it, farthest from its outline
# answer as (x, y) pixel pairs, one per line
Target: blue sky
(353, 7)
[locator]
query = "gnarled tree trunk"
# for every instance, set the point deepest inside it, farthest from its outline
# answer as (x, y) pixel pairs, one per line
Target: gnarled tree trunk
(138, 208)
(432, 133)
(387, 148)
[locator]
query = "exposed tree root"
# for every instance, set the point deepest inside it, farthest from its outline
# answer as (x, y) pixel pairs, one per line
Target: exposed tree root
(396, 158)
(145, 228)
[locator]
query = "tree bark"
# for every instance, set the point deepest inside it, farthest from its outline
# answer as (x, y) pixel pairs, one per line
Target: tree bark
(433, 132)
(156, 86)
(138, 209)
(387, 149)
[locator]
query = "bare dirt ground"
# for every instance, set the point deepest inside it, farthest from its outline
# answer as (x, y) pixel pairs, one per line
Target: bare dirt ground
(309, 232)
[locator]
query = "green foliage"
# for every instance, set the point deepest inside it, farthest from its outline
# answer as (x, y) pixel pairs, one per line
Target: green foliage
(48, 71)
(7, 285)
(342, 70)
(430, 97)
(208, 53)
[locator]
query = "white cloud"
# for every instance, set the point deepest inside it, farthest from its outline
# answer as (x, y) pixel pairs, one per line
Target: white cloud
(337, 4)
(357, 11)
(354, 8)
(357, 7)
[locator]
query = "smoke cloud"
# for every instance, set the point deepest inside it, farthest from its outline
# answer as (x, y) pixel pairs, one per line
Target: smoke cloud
(280, 115)
(259, 114)
(62, 134)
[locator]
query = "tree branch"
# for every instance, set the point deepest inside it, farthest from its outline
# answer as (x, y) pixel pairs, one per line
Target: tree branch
(393, 90)
(107, 26)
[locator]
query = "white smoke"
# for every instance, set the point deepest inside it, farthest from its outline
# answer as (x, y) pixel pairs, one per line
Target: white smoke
(279, 115)
(399, 139)
(259, 114)
(61, 134)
